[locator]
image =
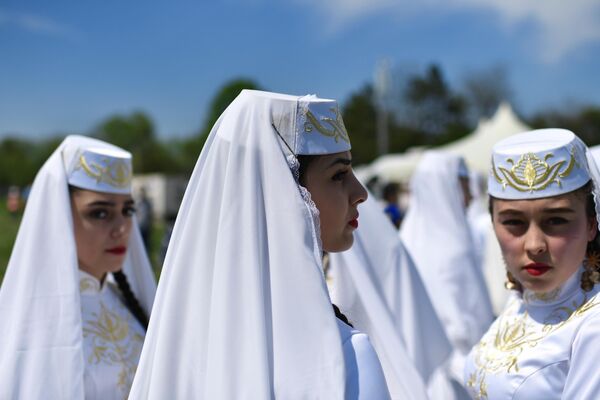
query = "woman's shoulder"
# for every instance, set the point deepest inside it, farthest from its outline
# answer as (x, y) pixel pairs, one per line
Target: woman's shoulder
(364, 375)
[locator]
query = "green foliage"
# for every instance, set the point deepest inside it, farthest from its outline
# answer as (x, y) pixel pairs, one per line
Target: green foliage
(8, 233)
(135, 133)
(584, 122)
(360, 120)
(430, 105)
(226, 94)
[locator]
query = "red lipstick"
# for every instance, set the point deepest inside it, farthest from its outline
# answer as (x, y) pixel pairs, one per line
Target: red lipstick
(536, 269)
(118, 250)
(354, 223)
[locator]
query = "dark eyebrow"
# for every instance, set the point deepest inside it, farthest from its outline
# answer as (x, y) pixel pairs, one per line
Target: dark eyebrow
(510, 211)
(558, 210)
(343, 161)
(104, 203)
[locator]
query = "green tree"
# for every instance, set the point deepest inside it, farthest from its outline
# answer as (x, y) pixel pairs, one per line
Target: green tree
(429, 105)
(136, 134)
(584, 121)
(189, 149)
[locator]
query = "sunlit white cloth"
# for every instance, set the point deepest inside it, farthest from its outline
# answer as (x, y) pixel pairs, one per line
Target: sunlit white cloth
(541, 347)
(41, 340)
(436, 234)
(378, 287)
(242, 309)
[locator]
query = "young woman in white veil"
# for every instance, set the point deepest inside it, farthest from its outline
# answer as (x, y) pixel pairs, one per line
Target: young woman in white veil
(78, 288)
(544, 201)
(242, 308)
(436, 233)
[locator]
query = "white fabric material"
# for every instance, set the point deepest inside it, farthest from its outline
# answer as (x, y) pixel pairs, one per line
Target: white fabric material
(112, 340)
(41, 346)
(536, 164)
(364, 376)
(377, 286)
(540, 348)
(105, 168)
(242, 308)
(436, 233)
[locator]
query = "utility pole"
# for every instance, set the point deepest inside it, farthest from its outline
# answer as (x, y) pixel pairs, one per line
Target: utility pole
(382, 94)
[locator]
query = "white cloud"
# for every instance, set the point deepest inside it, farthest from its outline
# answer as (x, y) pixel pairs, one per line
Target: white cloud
(37, 24)
(561, 25)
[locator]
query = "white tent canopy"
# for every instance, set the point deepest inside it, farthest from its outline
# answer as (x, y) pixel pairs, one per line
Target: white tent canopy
(476, 148)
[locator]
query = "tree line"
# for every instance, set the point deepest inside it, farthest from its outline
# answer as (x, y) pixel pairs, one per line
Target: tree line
(421, 109)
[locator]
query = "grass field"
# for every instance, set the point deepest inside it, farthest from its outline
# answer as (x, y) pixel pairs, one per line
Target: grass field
(10, 224)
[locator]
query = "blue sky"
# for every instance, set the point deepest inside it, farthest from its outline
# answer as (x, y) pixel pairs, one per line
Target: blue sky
(66, 65)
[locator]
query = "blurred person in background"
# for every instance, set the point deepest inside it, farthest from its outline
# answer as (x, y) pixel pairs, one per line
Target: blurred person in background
(391, 195)
(144, 214)
(78, 288)
(13, 200)
(437, 235)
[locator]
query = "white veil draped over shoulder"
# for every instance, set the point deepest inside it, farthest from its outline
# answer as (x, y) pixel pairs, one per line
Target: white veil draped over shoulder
(242, 308)
(41, 353)
(437, 235)
(376, 284)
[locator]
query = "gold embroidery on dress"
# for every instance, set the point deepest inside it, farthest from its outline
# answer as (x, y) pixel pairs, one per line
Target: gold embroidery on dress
(87, 284)
(116, 174)
(530, 173)
(499, 350)
(114, 343)
(337, 129)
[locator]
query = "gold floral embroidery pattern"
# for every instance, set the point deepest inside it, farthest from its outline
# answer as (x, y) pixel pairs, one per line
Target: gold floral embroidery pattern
(336, 129)
(117, 173)
(499, 350)
(88, 284)
(114, 344)
(531, 173)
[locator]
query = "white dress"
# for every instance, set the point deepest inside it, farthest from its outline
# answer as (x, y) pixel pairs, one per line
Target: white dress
(112, 340)
(540, 347)
(364, 376)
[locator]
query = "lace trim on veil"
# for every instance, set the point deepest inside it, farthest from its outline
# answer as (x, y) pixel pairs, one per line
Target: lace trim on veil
(294, 166)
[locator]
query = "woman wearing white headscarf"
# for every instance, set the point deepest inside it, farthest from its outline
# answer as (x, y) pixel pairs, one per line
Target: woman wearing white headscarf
(242, 309)
(436, 233)
(544, 192)
(379, 288)
(78, 287)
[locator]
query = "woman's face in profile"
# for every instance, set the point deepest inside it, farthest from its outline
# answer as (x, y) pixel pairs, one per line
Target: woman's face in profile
(543, 241)
(336, 193)
(102, 225)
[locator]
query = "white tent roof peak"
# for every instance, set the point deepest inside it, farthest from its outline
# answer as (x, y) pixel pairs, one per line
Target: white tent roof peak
(476, 147)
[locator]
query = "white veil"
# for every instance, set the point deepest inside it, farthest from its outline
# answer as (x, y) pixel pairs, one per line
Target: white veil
(436, 233)
(377, 285)
(242, 309)
(41, 354)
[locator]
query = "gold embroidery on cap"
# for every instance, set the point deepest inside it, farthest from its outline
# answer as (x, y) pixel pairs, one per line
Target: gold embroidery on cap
(337, 131)
(531, 173)
(116, 174)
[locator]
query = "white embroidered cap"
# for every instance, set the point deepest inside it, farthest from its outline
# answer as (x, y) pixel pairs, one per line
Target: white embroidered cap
(103, 168)
(316, 128)
(537, 164)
